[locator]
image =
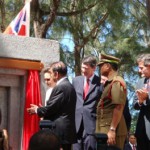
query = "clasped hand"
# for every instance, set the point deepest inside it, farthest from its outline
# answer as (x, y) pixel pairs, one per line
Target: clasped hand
(142, 94)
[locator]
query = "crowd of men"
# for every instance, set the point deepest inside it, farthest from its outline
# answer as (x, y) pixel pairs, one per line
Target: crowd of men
(89, 106)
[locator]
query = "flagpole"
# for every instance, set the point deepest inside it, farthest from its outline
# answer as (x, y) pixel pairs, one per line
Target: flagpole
(27, 3)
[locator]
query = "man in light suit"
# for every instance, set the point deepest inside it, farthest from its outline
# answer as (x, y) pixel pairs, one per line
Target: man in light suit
(60, 108)
(142, 103)
(85, 117)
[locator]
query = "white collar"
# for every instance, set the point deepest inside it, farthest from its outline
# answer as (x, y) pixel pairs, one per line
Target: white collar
(90, 79)
(132, 144)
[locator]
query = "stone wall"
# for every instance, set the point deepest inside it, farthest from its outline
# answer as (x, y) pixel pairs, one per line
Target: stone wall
(29, 48)
(13, 81)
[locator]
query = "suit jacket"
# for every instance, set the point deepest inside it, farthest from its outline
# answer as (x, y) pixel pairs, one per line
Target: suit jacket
(60, 110)
(86, 109)
(144, 110)
(128, 147)
(127, 115)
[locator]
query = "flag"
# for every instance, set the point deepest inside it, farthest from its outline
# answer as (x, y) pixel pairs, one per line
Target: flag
(20, 24)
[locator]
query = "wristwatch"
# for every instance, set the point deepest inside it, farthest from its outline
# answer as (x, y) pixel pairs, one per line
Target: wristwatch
(112, 129)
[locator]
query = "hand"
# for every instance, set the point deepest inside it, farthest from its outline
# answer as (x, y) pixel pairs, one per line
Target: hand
(5, 133)
(111, 137)
(32, 109)
(142, 95)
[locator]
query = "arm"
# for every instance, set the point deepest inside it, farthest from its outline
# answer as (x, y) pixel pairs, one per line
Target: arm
(136, 104)
(118, 100)
(53, 105)
(117, 114)
(5, 142)
(142, 97)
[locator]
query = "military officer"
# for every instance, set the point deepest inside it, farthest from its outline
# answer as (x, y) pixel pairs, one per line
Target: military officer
(110, 119)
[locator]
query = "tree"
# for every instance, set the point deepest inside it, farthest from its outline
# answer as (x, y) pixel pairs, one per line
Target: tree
(41, 25)
(8, 10)
(83, 21)
(2, 10)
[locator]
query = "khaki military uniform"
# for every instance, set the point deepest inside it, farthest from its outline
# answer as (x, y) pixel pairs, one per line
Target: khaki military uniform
(114, 93)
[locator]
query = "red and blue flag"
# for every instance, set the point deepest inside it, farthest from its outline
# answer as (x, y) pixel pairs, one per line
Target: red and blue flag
(20, 24)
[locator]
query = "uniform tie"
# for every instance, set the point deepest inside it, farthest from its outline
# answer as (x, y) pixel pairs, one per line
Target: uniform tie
(86, 88)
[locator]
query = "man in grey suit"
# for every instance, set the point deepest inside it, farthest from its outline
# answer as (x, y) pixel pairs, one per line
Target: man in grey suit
(60, 108)
(142, 103)
(85, 116)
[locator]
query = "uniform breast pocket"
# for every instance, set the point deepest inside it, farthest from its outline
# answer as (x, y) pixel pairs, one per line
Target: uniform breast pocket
(104, 125)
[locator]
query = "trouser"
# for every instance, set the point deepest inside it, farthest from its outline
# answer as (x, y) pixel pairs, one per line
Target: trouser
(88, 142)
(84, 141)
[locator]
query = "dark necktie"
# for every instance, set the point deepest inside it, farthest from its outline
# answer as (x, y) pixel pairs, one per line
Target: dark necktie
(86, 88)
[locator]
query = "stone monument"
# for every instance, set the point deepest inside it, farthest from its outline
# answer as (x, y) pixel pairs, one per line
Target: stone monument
(17, 56)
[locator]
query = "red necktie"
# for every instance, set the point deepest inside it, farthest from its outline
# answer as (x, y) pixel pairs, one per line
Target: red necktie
(134, 148)
(86, 88)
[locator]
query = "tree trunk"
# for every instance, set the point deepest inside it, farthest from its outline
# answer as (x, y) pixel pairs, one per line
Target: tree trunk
(41, 26)
(77, 51)
(2, 10)
(148, 11)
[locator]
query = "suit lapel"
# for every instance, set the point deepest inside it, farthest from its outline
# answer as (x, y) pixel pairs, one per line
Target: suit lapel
(81, 85)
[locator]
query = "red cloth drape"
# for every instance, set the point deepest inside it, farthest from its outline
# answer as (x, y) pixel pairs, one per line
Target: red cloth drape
(33, 96)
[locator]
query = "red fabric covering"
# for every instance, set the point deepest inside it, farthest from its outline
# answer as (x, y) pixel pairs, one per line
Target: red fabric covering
(33, 96)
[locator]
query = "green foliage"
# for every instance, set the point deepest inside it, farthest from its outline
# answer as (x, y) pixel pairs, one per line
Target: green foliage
(11, 10)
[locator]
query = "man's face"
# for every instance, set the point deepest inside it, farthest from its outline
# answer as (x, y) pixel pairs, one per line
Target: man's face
(87, 70)
(146, 71)
(104, 69)
(132, 139)
(141, 66)
(49, 80)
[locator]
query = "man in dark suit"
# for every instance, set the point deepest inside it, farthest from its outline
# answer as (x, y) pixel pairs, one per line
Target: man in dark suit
(131, 145)
(60, 108)
(86, 104)
(142, 103)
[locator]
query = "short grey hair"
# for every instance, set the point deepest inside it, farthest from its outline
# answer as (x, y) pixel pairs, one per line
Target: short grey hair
(147, 60)
(144, 58)
(140, 57)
